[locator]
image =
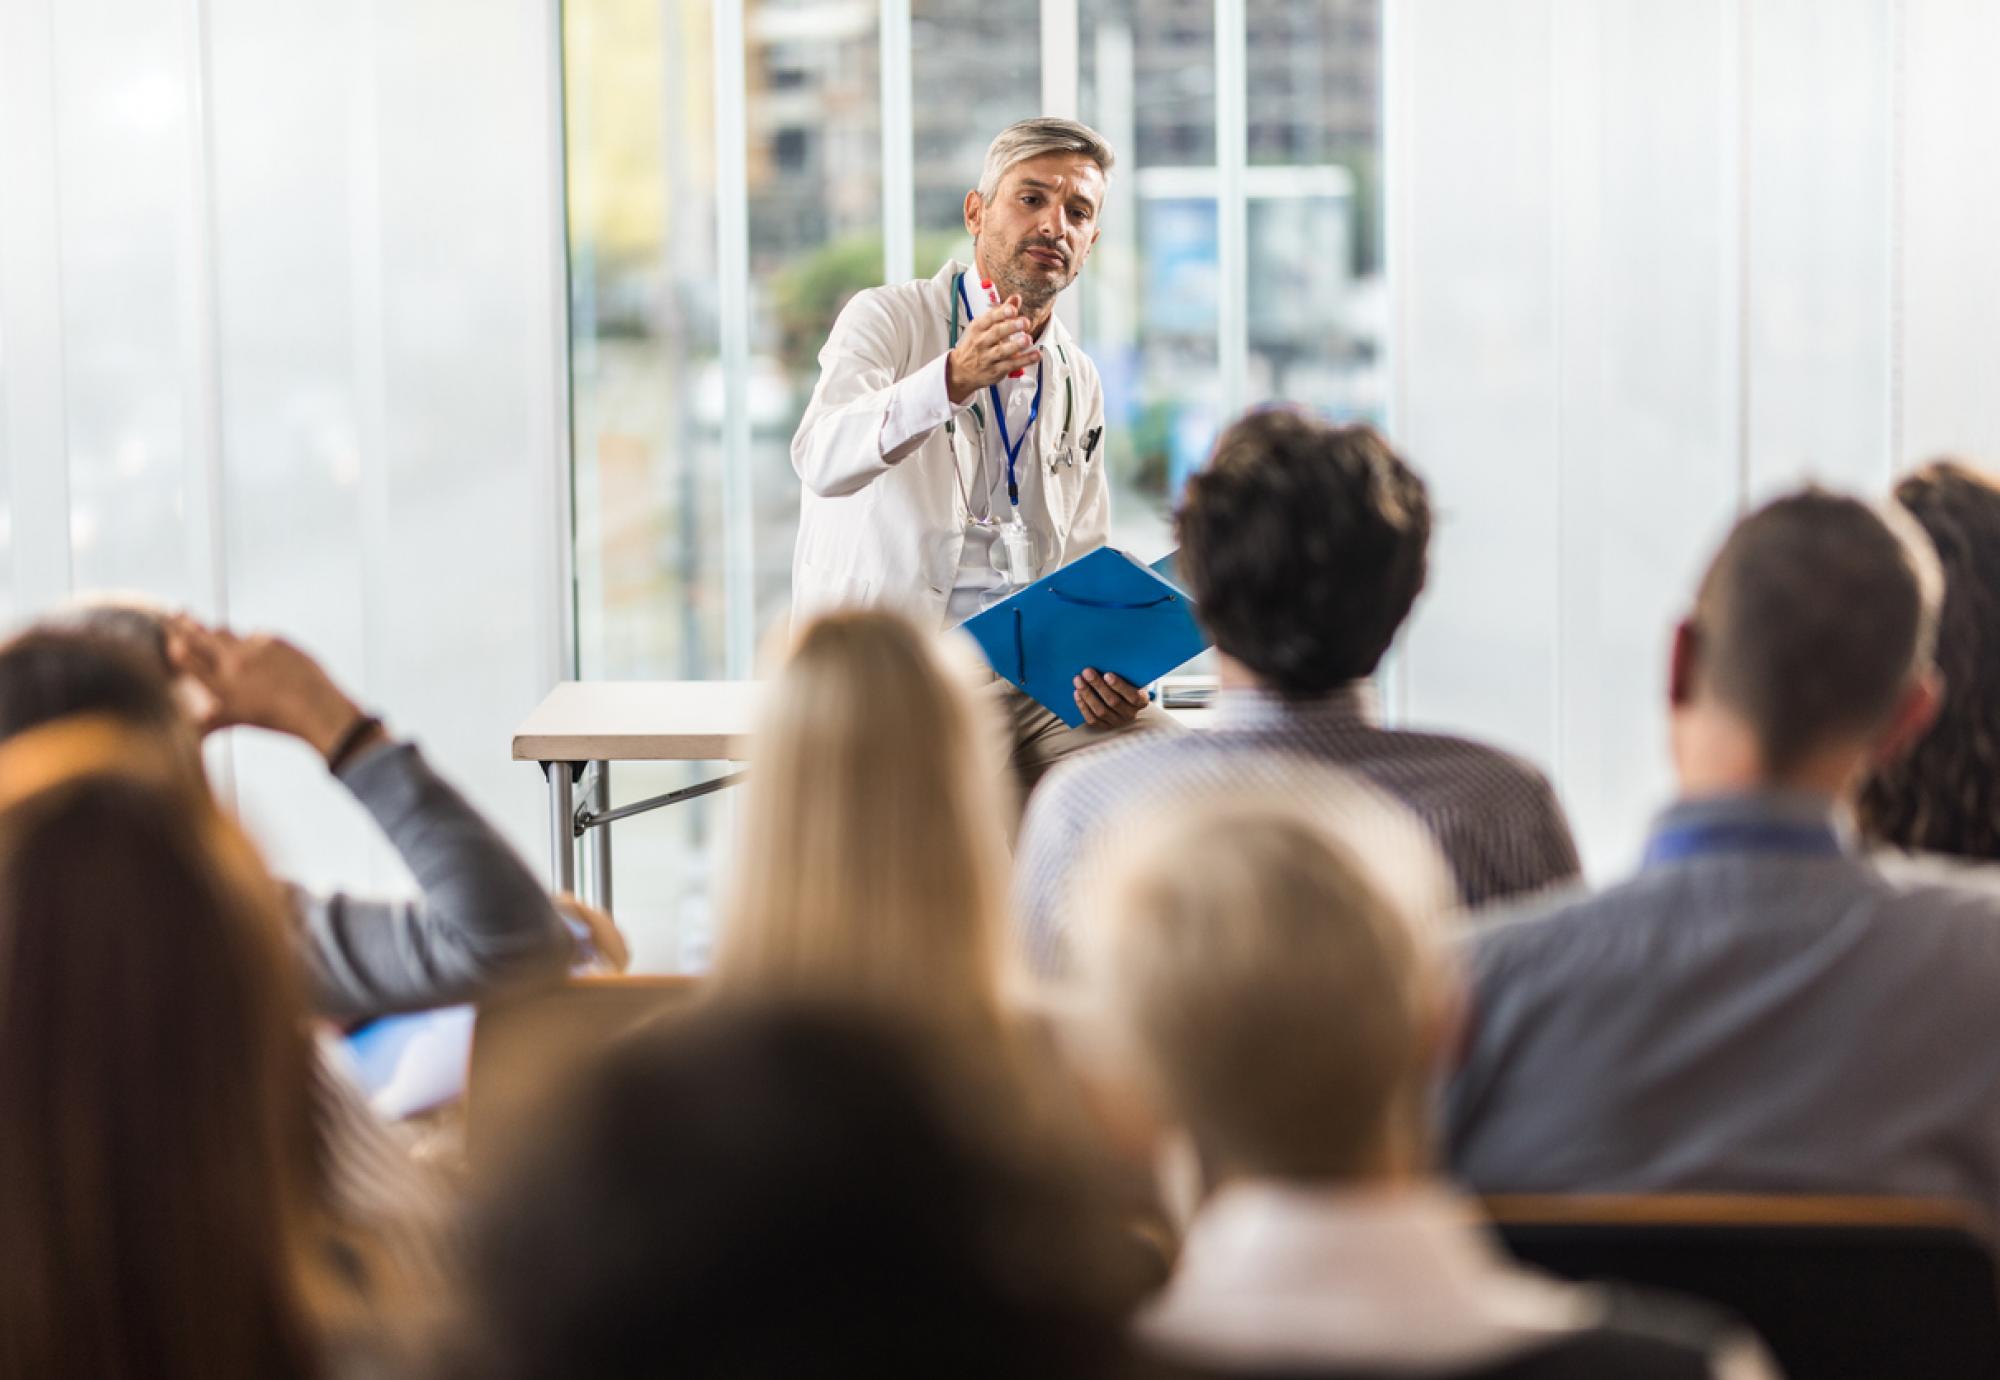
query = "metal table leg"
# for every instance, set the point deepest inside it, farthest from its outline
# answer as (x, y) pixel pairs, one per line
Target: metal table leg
(562, 825)
(597, 841)
(569, 822)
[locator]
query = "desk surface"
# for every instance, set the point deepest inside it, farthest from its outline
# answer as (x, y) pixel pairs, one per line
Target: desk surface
(640, 721)
(658, 721)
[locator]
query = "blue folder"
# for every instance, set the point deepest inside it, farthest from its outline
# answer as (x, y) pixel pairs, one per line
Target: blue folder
(1105, 611)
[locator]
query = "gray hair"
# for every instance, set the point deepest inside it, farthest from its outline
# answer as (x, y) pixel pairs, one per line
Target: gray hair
(1027, 139)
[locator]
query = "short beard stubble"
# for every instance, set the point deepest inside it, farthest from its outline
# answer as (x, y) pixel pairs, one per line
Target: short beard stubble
(1034, 293)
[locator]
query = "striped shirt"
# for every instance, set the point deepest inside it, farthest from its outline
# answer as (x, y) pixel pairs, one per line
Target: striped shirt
(1494, 817)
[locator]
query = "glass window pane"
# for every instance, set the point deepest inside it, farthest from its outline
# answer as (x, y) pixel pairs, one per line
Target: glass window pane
(646, 377)
(815, 132)
(647, 374)
(1318, 303)
(1147, 80)
(646, 402)
(975, 68)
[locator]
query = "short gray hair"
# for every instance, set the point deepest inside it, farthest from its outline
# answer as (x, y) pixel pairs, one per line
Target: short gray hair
(1027, 139)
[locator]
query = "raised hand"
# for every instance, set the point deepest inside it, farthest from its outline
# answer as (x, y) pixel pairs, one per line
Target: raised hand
(262, 681)
(992, 347)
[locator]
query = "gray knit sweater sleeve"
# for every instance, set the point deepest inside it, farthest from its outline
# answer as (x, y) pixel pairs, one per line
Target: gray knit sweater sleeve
(482, 918)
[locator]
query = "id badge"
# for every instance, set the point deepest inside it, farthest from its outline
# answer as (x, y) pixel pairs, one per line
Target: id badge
(1013, 554)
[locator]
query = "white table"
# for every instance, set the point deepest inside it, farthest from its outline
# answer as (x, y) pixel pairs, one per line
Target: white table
(584, 726)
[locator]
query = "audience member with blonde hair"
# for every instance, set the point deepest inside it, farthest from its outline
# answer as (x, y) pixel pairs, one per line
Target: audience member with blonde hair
(1275, 984)
(157, 1175)
(871, 863)
(871, 874)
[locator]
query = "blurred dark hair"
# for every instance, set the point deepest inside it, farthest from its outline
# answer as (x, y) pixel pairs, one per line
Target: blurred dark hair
(1813, 619)
(766, 1193)
(1304, 546)
(51, 673)
(1944, 796)
(157, 1164)
(128, 621)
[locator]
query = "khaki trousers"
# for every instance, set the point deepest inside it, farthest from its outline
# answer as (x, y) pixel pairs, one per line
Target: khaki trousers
(1037, 740)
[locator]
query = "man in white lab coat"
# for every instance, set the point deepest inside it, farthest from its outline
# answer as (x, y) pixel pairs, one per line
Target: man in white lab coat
(953, 448)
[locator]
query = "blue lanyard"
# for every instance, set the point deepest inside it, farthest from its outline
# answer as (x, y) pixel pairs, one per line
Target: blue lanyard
(1012, 447)
(1697, 840)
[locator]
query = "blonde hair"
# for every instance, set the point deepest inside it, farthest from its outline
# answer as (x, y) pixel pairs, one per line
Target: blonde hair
(1270, 969)
(1035, 138)
(871, 864)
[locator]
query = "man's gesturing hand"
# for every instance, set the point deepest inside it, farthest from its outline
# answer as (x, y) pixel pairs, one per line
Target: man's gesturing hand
(262, 681)
(1106, 701)
(992, 347)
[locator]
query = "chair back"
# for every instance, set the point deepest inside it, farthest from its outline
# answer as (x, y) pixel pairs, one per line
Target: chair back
(1837, 1287)
(524, 1044)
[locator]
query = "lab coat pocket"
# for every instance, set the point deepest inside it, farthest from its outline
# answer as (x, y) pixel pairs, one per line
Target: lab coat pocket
(1063, 487)
(820, 589)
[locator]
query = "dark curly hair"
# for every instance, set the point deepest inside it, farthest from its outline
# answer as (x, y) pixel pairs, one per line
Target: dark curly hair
(1944, 797)
(1304, 545)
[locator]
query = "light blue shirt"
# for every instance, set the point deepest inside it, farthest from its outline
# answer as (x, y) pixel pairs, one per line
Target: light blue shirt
(1744, 1017)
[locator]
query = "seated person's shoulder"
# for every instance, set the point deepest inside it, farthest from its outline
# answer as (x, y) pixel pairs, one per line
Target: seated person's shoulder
(1957, 911)
(1958, 896)
(1559, 926)
(1114, 764)
(1640, 1335)
(1469, 755)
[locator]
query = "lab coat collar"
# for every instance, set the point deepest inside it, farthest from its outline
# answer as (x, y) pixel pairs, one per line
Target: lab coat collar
(1055, 336)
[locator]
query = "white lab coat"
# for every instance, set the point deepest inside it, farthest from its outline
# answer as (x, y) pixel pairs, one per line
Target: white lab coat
(882, 531)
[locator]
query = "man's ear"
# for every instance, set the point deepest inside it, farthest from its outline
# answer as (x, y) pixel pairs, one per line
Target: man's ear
(1914, 714)
(975, 211)
(1683, 664)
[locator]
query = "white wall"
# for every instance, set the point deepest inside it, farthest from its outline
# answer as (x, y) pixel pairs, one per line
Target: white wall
(281, 340)
(1652, 262)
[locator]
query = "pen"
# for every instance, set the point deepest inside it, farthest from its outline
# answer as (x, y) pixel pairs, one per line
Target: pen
(1090, 443)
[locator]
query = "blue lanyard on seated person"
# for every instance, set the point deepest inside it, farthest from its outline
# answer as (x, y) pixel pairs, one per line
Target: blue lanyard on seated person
(1012, 448)
(1762, 836)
